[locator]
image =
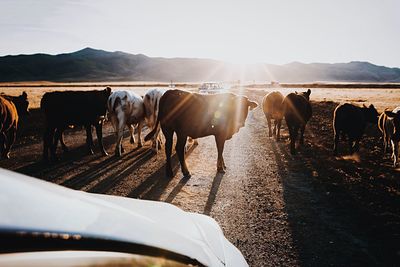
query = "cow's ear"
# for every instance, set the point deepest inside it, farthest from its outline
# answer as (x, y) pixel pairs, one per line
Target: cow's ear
(390, 114)
(252, 104)
(371, 106)
(24, 95)
(308, 92)
(108, 90)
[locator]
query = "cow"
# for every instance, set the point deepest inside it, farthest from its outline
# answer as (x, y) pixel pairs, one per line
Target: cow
(389, 125)
(196, 115)
(297, 111)
(21, 103)
(126, 108)
(350, 120)
(273, 109)
(77, 108)
(151, 104)
(8, 126)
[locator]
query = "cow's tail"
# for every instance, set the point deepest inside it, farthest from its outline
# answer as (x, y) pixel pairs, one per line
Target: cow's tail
(153, 132)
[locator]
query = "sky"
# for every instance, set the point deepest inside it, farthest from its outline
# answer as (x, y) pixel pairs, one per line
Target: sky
(238, 31)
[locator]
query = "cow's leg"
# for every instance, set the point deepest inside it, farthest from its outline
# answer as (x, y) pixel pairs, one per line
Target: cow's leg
(99, 133)
(118, 145)
(335, 142)
(395, 153)
(46, 144)
(293, 137)
(302, 129)
(275, 124)
(180, 150)
(168, 150)
(50, 144)
(278, 134)
(132, 133)
(139, 129)
(89, 139)
(220, 148)
(156, 142)
(57, 137)
(269, 126)
(10, 141)
(63, 145)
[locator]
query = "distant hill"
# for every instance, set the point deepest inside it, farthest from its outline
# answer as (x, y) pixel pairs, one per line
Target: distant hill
(97, 65)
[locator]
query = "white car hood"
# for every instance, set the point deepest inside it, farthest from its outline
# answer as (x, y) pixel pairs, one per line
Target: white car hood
(29, 203)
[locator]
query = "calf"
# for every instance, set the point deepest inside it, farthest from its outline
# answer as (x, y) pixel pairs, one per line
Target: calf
(126, 108)
(8, 126)
(389, 124)
(297, 111)
(350, 120)
(78, 108)
(151, 104)
(273, 109)
(196, 115)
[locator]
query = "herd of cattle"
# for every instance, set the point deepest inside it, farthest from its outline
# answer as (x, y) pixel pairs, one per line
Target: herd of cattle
(189, 115)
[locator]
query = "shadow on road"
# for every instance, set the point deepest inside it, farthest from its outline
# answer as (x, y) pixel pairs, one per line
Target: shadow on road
(213, 193)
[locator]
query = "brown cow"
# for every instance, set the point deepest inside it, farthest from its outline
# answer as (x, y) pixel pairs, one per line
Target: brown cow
(273, 109)
(195, 115)
(8, 126)
(297, 112)
(389, 124)
(350, 120)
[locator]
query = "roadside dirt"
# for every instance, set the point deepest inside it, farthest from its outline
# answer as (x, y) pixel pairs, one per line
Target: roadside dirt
(311, 209)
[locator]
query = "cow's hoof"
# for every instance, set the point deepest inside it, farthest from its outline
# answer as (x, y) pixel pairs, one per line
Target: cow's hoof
(7, 155)
(186, 174)
(91, 152)
(139, 145)
(104, 153)
(169, 174)
(221, 170)
(117, 154)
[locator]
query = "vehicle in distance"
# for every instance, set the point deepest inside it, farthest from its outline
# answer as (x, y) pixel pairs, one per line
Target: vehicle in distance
(212, 88)
(44, 224)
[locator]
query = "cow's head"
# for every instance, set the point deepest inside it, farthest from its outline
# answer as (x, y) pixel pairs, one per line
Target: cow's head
(395, 116)
(370, 113)
(305, 94)
(22, 104)
(239, 107)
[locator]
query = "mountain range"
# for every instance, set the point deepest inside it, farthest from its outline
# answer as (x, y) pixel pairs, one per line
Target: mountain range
(98, 65)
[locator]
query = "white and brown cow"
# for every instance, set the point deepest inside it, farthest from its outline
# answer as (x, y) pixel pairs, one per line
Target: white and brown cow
(389, 124)
(151, 104)
(126, 108)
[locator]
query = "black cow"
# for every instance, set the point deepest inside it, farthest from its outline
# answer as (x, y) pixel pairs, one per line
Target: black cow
(297, 112)
(389, 125)
(195, 115)
(78, 108)
(21, 103)
(350, 120)
(273, 109)
(8, 126)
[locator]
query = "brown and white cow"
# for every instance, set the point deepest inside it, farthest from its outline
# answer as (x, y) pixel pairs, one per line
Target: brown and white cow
(126, 108)
(151, 102)
(273, 110)
(389, 125)
(195, 115)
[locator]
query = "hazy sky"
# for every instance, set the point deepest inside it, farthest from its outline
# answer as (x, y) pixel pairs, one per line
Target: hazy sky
(279, 31)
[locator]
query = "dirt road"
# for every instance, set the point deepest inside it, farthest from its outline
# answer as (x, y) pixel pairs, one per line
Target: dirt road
(307, 210)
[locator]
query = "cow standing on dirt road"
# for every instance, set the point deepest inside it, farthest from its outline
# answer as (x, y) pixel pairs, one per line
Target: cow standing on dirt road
(389, 125)
(297, 112)
(350, 120)
(273, 110)
(126, 109)
(195, 115)
(78, 108)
